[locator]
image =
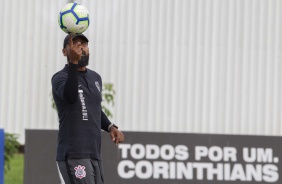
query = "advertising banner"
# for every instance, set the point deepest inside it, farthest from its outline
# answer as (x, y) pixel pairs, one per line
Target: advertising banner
(40, 165)
(175, 158)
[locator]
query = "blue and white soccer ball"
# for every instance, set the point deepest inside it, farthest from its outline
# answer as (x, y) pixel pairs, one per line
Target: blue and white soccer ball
(74, 18)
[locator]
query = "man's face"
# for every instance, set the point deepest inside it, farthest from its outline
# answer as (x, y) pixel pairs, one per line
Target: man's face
(84, 60)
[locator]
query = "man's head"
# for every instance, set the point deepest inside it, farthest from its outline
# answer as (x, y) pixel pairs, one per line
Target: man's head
(84, 47)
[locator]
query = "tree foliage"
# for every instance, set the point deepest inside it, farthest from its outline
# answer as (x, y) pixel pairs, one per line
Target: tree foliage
(108, 94)
(11, 147)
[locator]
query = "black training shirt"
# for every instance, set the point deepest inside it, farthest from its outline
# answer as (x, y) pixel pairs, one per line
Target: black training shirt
(78, 97)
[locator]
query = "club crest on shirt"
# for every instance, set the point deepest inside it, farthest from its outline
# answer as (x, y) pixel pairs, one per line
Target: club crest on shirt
(97, 85)
(80, 172)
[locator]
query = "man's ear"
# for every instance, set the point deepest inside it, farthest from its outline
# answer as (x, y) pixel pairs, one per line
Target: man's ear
(64, 50)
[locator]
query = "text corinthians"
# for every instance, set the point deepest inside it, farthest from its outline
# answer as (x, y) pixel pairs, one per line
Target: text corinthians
(214, 163)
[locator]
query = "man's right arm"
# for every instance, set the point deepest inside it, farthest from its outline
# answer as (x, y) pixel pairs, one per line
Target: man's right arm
(66, 87)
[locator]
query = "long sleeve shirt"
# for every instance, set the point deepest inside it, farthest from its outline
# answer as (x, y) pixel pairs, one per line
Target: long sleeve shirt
(78, 97)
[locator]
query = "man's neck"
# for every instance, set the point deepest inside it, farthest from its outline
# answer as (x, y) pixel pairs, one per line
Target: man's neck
(81, 69)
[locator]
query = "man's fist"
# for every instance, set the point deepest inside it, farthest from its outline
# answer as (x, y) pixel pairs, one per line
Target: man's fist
(74, 51)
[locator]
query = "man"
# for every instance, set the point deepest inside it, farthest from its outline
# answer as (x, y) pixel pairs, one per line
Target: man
(77, 94)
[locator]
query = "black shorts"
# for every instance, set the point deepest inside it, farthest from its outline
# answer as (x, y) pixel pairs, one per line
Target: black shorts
(81, 171)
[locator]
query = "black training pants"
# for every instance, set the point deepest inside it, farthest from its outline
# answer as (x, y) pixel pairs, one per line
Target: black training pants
(81, 171)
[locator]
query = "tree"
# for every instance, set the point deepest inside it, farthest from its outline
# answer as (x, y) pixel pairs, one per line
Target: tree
(11, 147)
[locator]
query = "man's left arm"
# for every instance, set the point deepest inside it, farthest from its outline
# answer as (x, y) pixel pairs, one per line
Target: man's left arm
(116, 135)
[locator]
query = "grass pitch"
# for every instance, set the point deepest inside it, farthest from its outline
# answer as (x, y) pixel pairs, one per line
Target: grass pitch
(15, 175)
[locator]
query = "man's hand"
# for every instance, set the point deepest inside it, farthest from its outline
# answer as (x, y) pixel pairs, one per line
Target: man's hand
(74, 51)
(116, 135)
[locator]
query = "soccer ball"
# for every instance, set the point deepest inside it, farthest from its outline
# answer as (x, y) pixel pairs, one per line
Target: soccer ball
(74, 18)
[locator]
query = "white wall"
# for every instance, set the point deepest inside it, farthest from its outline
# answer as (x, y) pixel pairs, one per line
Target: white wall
(203, 66)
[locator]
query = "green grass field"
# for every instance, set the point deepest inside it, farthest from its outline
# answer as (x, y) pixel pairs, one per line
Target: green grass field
(15, 175)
